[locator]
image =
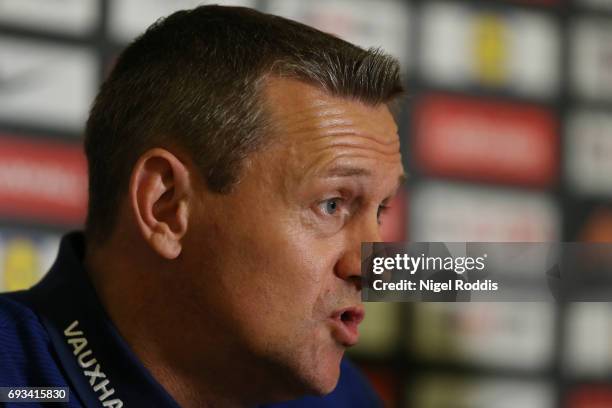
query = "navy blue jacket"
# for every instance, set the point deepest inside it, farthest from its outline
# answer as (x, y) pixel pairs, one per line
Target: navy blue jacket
(57, 334)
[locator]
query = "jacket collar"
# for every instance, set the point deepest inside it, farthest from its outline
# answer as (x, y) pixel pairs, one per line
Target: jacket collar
(98, 362)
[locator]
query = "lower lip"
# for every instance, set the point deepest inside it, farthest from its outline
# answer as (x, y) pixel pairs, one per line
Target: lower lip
(345, 333)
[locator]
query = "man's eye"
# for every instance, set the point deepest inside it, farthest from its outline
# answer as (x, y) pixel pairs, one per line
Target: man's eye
(381, 210)
(331, 206)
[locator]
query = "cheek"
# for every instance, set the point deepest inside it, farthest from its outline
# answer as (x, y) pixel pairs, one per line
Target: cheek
(281, 272)
(292, 288)
(319, 286)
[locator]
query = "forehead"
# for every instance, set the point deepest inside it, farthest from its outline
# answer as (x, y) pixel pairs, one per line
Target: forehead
(316, 129)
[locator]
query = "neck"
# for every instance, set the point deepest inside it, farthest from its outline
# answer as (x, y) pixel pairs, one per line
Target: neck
(189, 358)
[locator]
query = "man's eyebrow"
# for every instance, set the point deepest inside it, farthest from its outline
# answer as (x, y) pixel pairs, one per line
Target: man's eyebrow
(349, 171)
(402, 179)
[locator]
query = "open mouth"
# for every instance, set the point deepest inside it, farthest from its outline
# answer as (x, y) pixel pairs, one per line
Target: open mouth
(346, 323)
(352, 316)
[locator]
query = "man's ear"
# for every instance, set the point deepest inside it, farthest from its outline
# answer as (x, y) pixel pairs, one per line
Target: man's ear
(159, 193)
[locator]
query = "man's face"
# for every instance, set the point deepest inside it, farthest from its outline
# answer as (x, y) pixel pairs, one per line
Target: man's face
(281, 253)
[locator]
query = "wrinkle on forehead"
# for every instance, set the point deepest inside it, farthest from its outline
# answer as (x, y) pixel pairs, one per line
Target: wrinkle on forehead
(314, 129)
(337, 117)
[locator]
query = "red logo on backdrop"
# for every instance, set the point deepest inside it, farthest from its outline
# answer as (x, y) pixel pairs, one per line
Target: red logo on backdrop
(42, 181)
(590, 397)
(486, 140)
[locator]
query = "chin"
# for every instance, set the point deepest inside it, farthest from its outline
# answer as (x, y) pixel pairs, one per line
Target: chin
(325, 386)
(304, 384)
(308, 370)
(322, 380)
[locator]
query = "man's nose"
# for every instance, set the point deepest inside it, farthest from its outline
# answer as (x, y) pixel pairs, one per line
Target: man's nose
(348, 266)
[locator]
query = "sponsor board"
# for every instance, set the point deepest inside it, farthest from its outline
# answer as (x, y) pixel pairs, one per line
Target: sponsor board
(597, 226)
(383, 24)
(590, 396)
(129, 18)
(515, 50)
(588, 351)
(597, 4)
(480, 334)
(25, 257)
(380, 331)
(46, 84)
(591, 58)
(68, 16)
(588, 152)
(458, 212)
(436, 391)
(487, 140)
(42, 181)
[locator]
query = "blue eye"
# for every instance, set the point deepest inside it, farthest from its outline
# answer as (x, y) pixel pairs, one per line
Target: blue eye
(330, 206)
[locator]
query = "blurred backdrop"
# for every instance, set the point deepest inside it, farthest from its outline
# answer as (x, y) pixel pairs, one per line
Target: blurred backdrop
(507, 136)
